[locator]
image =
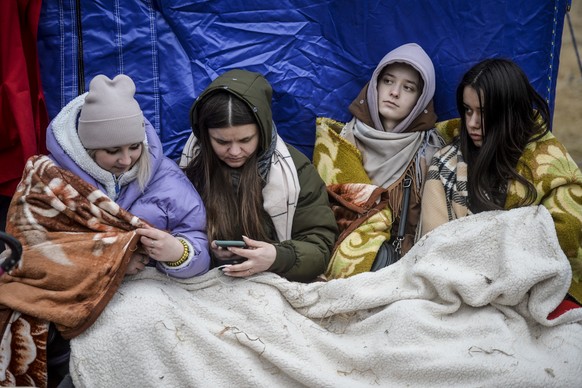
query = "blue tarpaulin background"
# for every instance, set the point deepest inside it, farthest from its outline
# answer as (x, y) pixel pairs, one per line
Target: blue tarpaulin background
(317, 54)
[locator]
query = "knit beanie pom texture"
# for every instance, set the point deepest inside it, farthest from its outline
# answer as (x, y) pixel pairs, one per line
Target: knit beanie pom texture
(111, 117)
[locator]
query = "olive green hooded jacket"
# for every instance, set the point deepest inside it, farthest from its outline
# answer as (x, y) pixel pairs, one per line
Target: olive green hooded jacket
(314, 229)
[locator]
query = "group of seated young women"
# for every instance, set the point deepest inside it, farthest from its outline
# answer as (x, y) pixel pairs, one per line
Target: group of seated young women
(239, 180)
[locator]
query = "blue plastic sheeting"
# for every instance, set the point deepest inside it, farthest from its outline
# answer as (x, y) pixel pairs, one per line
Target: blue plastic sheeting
(317, 54)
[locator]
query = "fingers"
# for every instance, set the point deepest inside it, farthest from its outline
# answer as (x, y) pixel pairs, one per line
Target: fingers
(253, 243)
(146, 235)
(222, 254)
(237, 272)
(260, 257)
(151, 237)
(161, 246)
(246, 268)
(152, 246)
(148, 232)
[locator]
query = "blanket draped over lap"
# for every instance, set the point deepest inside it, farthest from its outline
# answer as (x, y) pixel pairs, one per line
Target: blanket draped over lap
(466, 306)
(76, 246)
(545, 163)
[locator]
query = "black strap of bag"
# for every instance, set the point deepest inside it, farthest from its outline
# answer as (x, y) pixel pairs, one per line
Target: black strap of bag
(390, 252)
(403, 215)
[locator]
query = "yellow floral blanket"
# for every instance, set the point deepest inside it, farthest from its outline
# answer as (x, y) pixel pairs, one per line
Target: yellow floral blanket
(336, 159)
(340, 165)
(558, 182)
(364, 220)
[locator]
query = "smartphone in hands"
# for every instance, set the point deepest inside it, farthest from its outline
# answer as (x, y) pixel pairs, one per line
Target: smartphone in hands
(230, 243)
(223, 263)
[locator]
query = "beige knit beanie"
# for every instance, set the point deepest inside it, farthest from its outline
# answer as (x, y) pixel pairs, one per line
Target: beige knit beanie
(111, 117)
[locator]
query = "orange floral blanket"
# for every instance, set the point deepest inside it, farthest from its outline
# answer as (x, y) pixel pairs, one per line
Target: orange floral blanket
(76, 246)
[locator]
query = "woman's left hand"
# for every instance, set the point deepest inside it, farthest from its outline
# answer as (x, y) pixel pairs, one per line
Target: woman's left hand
(160, 245)
(260, 256)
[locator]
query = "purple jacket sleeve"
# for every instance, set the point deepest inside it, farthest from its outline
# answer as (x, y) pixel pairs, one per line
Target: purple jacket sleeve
(171, 203)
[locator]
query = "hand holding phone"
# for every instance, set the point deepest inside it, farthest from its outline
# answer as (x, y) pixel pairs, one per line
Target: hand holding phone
(225, 258)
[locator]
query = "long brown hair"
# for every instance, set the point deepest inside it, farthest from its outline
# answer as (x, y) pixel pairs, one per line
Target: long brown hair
(234, 207)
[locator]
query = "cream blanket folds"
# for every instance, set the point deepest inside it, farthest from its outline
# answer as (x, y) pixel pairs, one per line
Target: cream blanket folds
(466, 306)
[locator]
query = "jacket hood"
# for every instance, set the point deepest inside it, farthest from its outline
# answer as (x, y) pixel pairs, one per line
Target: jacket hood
(422, 116)
(250, 87)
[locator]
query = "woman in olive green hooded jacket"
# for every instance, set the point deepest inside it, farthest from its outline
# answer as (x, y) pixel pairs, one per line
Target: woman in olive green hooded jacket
(255, 187)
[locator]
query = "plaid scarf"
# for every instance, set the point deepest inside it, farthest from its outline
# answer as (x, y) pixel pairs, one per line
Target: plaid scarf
(445, 195)
(264, 158)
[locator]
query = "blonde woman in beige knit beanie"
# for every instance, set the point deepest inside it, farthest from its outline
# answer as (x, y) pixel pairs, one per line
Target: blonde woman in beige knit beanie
(103, 137)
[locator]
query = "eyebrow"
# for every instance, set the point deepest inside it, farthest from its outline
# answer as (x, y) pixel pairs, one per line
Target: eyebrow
(228, 141)
(406, 79)
(480, 108)
(118, 148)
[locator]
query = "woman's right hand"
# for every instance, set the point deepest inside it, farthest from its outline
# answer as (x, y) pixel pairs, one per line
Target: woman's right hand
(257, 257)
(137, 263)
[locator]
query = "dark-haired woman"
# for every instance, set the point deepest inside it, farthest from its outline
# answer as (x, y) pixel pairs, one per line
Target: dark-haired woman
(255, 187)
(506, 157)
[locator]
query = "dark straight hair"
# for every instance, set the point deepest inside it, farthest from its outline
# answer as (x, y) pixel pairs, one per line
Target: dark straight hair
(513, 114)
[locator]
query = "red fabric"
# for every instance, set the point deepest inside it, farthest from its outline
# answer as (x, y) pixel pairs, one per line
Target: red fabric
(566, 305)
(23, 112)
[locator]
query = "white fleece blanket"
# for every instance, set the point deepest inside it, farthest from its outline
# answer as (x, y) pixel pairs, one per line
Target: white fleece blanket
(467, 306)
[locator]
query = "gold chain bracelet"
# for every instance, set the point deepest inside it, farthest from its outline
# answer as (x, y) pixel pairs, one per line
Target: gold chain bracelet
(182, 258)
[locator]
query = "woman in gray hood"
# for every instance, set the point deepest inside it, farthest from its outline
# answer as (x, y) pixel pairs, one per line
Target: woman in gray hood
(255, 187)
(391, 133)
